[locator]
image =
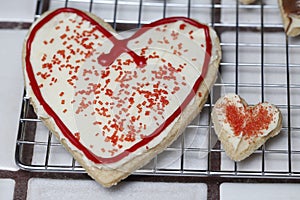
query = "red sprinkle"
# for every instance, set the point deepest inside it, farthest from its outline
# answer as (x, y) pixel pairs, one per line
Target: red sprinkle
(63, 36)
(182, 26)
(77, 135)
(109, 92)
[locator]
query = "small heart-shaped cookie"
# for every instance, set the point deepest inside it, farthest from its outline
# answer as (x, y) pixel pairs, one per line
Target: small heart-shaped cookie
(241, 128)
(114, 102)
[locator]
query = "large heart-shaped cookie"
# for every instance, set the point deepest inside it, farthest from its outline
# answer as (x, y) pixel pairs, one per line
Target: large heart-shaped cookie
(116, 103)
(241, 128)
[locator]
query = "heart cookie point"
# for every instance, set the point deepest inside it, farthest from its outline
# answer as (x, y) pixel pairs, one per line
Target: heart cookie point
(241, 128)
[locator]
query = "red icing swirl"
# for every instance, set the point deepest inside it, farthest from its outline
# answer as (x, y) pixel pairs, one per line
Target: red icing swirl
(120, 46)
(107, 59)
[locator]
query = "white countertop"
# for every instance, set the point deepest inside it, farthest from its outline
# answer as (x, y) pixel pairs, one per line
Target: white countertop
(11, 88)
(42, 189)
(11, 79)
(249, 191)
(17, 10)
(7, 187)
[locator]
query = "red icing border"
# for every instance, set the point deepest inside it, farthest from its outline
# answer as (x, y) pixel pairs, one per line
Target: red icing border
(66, 132)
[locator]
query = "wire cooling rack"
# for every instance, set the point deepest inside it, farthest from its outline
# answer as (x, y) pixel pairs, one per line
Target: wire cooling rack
(259, 62)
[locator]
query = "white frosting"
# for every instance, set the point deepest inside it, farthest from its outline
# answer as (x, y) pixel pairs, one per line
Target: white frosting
(70, 85)
(223, 126)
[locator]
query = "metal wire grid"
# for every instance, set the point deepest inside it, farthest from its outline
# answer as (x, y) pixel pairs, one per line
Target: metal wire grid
(212, 159)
